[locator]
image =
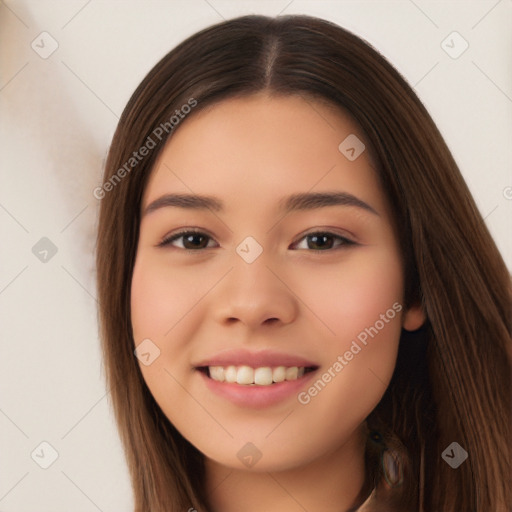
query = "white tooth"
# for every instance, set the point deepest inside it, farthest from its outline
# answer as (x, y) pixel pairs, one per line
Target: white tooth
(217, 373)
(263, 376)
(291, 373)
(279, 374)
(230, 374)
(300, 372)
(245, 375)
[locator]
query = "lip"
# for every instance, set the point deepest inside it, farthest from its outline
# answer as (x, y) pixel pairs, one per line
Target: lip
(258, 359)
(254, 396)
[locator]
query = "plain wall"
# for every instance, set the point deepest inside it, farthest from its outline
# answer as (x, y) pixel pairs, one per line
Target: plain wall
(58, 114)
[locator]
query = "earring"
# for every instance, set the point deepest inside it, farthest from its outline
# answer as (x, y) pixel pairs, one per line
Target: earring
(392, 468)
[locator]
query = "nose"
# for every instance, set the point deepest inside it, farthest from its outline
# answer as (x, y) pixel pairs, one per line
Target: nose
(255, 295)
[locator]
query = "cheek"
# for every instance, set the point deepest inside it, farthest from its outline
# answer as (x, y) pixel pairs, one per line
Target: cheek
(360, 304)
(364, 311)
(158, 302)
(151, 307)
(351, 296)
(161, 297)
(166, 308)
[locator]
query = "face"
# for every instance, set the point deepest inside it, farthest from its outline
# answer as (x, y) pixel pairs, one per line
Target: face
(269, 306)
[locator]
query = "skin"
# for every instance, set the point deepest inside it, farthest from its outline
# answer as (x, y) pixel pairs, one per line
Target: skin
(250, 153)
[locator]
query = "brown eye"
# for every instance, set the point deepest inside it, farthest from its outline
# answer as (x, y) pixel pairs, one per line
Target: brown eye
(196, 240)
(190, 240)
(322, 241)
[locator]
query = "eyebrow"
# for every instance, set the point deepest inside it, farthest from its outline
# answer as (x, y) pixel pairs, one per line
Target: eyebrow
(295, 202)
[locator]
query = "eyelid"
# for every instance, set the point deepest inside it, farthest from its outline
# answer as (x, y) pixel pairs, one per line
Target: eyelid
(330, 230)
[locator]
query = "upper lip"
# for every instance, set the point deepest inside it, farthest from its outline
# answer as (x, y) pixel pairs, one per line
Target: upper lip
(258, 359)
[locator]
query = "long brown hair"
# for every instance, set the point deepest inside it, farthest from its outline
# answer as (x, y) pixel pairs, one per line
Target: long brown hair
(452, 378)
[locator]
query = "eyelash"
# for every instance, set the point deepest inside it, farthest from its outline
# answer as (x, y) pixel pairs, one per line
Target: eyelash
(344, 242)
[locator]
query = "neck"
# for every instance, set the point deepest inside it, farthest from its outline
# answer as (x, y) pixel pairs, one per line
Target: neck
(331, 483)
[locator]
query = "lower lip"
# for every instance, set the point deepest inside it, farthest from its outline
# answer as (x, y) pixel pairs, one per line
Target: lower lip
(257, 396)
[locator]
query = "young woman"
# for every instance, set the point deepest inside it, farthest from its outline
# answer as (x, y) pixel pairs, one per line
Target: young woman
(301, 306)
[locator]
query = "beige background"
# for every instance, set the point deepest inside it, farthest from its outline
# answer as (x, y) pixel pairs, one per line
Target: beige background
(59, 112)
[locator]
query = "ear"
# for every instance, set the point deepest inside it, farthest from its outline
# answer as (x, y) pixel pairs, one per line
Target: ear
(413, 318)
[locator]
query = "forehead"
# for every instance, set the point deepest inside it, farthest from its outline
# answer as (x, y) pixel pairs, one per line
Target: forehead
(259, 148)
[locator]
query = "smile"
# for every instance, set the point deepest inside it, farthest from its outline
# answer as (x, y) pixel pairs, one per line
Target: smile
(255, 379)
(261, 376)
